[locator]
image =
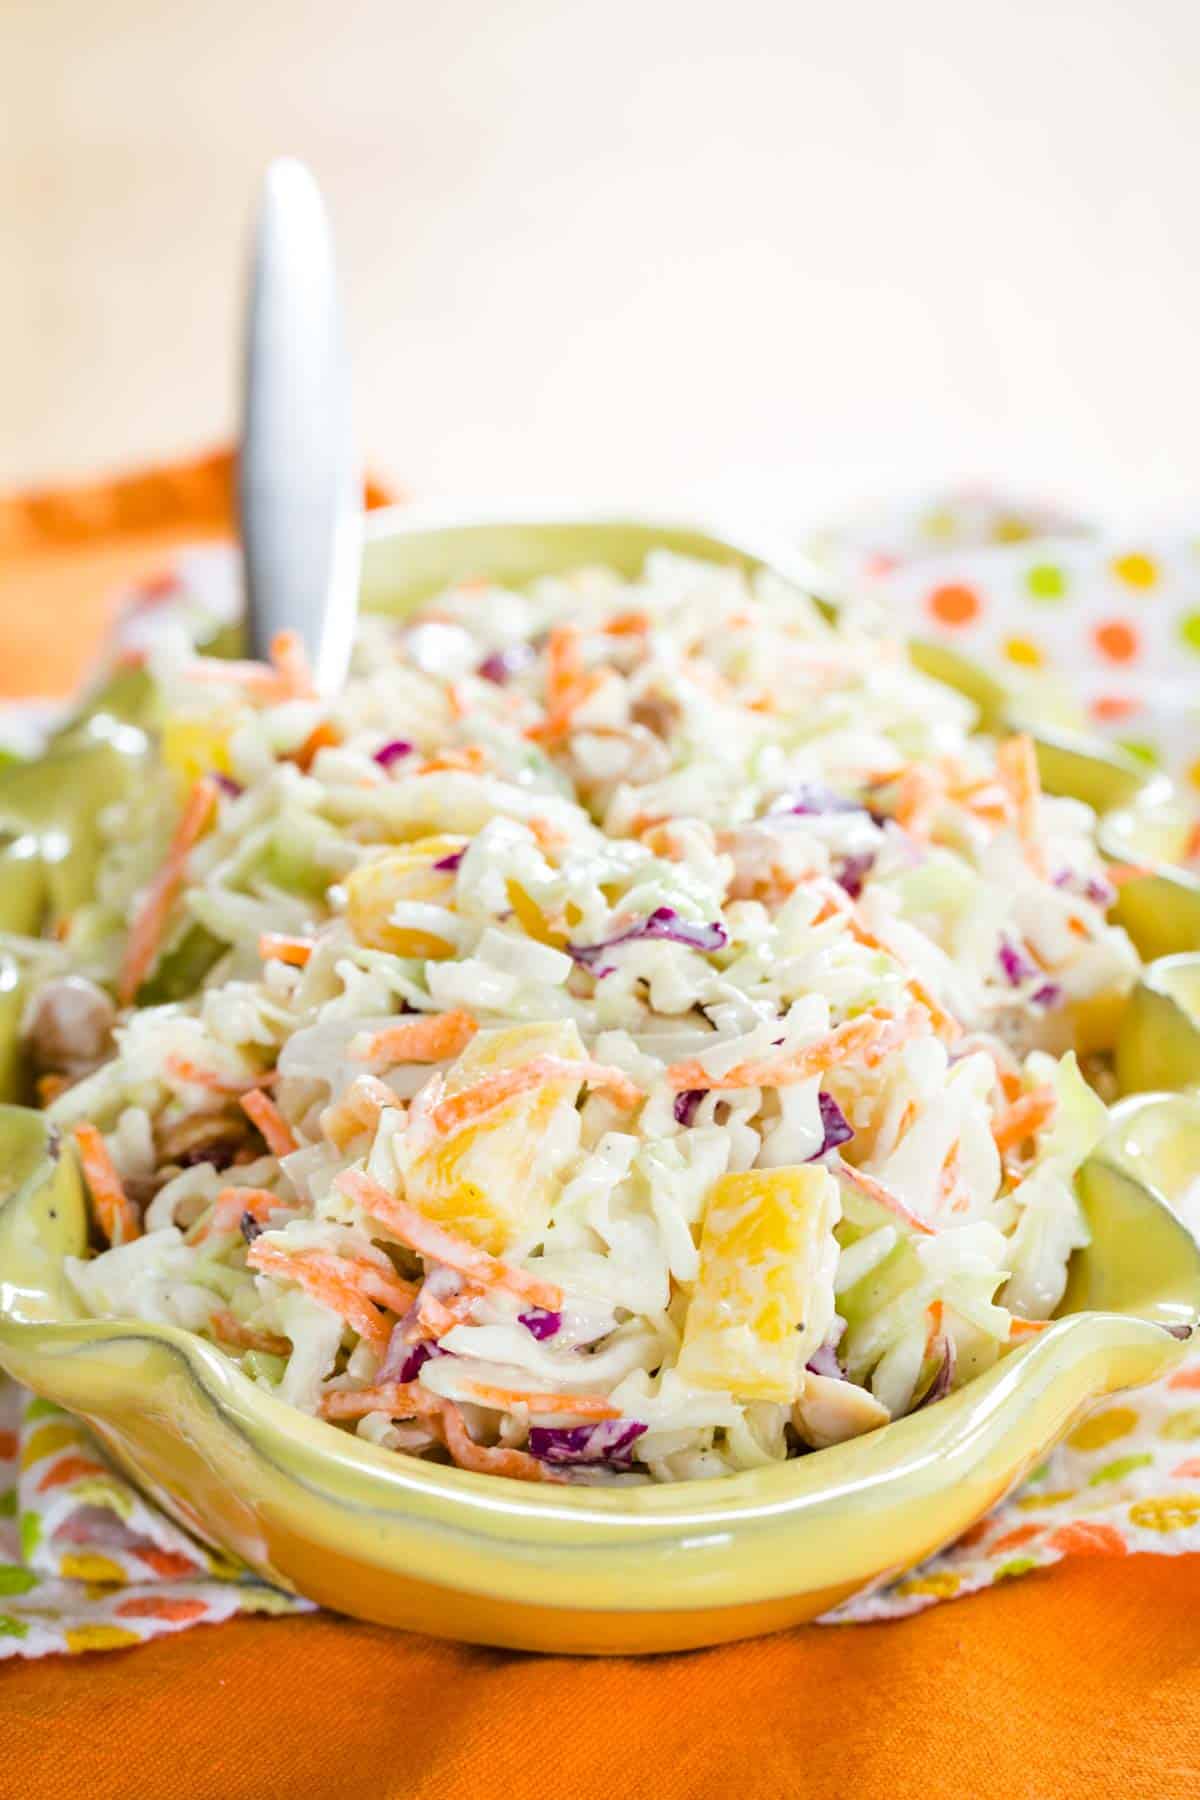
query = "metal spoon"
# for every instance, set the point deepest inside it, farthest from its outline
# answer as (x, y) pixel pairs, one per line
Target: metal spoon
(299, 488)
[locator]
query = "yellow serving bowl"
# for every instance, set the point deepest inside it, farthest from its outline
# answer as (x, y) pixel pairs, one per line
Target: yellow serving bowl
(443, 1550)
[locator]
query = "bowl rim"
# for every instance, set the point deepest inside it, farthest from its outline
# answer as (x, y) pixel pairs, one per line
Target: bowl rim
(747, 1496)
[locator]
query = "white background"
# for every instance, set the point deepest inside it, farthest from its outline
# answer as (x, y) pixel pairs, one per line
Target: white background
(797, 252)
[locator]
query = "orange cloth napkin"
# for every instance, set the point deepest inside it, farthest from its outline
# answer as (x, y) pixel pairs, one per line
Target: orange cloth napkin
(1079, 1684)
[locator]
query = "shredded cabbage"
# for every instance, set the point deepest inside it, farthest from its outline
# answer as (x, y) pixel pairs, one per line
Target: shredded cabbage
(580, 904)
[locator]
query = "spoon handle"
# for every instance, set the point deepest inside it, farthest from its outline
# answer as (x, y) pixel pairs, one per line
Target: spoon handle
(299, 491)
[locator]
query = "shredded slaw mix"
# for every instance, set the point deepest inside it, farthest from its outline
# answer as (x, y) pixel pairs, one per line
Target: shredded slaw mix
(629, 1035)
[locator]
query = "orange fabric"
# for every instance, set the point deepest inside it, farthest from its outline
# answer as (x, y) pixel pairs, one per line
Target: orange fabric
(1076, 1685)
(1079, 1684)
(66, 552)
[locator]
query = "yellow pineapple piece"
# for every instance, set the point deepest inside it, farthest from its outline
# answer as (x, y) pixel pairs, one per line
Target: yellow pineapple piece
(530, 917)
(493, 1180)
(406, 874)
(195, 744)
(763, 1299)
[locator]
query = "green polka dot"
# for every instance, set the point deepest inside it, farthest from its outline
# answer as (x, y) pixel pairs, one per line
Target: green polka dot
(10, 1627)
(1123, 1465)
(1189, 631)
(1016, 1565)
(8, 1504)
(16, 1580)
(1183, 1424)
(1146, 753)
(31, 1535)
(42, 1409)
(1046, 581)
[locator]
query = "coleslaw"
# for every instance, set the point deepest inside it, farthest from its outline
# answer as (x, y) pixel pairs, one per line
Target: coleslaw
(631, 1034)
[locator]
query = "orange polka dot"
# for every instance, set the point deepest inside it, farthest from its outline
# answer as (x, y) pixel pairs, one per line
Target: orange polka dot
(973, 1534)
(71, 1468)
(1086, 1537)
(1113, 706)
(1023, 1534)
(953, 604)
(1117, 640)
(167, 1563)
(177, 1612)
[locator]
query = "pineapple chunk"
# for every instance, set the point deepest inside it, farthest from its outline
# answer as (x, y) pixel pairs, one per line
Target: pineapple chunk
(763, 1299)
(530, 917)
(195, 744)
(407, 874)
(494, 1179)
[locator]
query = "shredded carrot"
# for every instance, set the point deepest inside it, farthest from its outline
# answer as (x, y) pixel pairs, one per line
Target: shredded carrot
(549, 839)
(357, 1110)
(451, 1114)
(950, 1180)
(324, 736)
(877, 1191)
(485, 1459)
(587, 1406)
(278, 946)
(286, 677)
(437, 1037)
(919, 793)
(457, 700)
(470, 759)
(1121, 872)
(436, 1317)
(933, 1313)
(230, 1208)
(232, 1331)
(290, 662)
(274, 1129)
(837, 900)
(628, 624)
(345, 1284)
(559, 719)
(151, 917)
(1026, 1328)
(399, 1399)
(115, 1213)
(49, 1087)
(907, 1119)
(1023, 1118)
(1016, 765)
(182, 1068)
(412, 1228)
(564, 663)
(870, 1038)
(987, 799)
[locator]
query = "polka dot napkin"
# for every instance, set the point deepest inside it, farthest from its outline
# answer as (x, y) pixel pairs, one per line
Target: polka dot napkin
(86, 1564)
(1106, 629)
